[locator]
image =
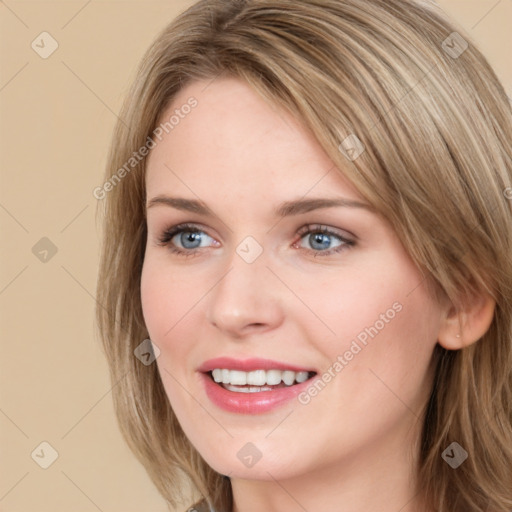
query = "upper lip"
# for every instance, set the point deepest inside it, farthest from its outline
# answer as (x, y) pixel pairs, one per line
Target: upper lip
(248, 365)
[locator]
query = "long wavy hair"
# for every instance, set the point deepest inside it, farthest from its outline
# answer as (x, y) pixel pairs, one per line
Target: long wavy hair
(436, 125)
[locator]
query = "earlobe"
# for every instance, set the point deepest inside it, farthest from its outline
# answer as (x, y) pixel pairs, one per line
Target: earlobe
(463, 327)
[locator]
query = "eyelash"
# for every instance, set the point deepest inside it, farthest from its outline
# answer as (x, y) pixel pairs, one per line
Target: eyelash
(166, 237)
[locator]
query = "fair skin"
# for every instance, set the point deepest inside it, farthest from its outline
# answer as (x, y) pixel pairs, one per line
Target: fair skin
(353, 447)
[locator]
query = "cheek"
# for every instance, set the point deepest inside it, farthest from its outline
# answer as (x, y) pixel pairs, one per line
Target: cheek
(154, 300)
(165, 296)
(165, 305)
(351, 302)
(381, 317)
(173, 310)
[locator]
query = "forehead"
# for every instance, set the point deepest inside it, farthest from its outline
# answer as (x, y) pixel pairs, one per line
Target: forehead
(235, 141)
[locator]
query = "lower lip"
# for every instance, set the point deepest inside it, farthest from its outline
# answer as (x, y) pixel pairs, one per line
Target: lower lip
(250, 403)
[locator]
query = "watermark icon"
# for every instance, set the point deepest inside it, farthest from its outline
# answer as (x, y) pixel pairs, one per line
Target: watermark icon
(44, 45)
(44, 455)
(507, 193)
(351, 147)
(343, 360)
(44, 250)
(139, 155)
(249, 249)
(454, 45)
(249, 455)
(147, 352)
(454, 455)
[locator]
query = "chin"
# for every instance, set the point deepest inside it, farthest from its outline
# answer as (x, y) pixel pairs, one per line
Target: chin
(249, 463)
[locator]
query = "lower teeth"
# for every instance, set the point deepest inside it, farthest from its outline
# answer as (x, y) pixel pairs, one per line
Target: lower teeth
(249, 389)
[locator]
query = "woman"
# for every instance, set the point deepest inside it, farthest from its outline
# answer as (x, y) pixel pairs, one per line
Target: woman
(305, 292)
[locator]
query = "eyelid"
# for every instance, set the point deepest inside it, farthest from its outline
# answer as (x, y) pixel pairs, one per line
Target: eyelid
(171, 231)
(318, 227)
(346, 241)
(196, 226)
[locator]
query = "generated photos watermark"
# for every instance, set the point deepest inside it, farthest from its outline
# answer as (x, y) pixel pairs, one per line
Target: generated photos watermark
(357, 345)
(139, 155)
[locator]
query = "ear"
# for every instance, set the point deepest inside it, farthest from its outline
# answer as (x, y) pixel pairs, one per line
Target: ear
(463, 327)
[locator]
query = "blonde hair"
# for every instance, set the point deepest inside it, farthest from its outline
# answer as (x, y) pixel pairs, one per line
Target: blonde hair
(436, 126)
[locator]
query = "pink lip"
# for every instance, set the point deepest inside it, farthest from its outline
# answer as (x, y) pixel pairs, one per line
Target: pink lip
(248, 365)
(249, 403)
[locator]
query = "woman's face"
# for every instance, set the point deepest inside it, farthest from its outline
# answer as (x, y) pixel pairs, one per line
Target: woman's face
(267, 280)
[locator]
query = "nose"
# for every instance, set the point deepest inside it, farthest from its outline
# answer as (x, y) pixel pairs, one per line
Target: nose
(246, 299)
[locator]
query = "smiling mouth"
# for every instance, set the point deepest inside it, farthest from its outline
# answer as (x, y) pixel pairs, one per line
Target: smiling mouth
(257, 381)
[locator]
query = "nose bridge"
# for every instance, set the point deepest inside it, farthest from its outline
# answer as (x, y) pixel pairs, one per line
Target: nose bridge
(245, 297)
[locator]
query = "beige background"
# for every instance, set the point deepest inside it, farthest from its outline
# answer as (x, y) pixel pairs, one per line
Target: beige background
(57, 115)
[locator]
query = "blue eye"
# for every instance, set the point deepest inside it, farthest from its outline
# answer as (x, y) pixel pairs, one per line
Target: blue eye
(186, 239)
(188, 235)
(321, 238)
(191, 240)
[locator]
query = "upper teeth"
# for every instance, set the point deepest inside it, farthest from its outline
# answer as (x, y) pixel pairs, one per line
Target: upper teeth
(258, 377)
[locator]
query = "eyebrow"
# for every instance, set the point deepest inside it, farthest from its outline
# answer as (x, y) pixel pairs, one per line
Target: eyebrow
(286, 209)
